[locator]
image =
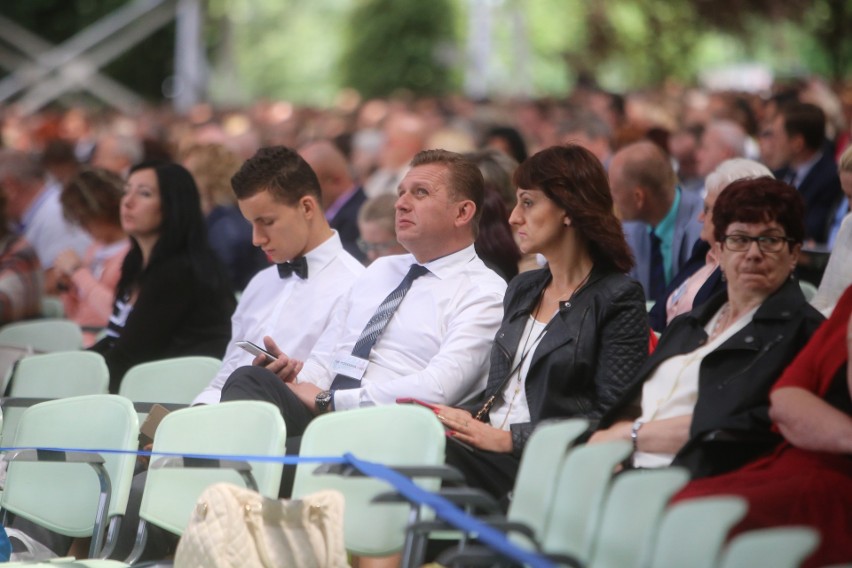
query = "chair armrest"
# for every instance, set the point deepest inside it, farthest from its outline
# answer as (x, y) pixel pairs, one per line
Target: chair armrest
(482, 556)
(54, 456)
(471, 499)
(241, 467)
(443, 472)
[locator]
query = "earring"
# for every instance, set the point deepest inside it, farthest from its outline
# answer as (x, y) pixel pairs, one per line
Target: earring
(723, 276)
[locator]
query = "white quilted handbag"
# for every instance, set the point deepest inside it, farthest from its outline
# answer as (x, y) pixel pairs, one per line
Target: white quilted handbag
(234, 527)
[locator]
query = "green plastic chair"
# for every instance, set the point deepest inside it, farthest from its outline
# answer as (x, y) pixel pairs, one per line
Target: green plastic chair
(177, 380)
(582, 484)
(537, 474)
(704, 523)
(532, 495)
(174, 381)
(64, 494)
(44, 335)
(239, 427)
(50, 376)
(52, 307)
(394, 435)
(631, 515)
(779, 547)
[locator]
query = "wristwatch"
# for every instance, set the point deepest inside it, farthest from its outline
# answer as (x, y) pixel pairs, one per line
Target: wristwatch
(323, 402)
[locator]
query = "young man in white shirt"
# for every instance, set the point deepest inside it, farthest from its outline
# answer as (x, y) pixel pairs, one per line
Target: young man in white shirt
(436, 344)
(279, 194)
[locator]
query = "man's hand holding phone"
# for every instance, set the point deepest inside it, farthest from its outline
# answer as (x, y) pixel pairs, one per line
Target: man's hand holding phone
(273, 359)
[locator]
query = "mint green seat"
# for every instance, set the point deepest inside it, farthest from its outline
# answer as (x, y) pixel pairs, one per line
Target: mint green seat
(173, 485)
(631, 515)
(238, 427)
(44, 335)
(704, 523)
(66, 496)
(779, 547)
(583, 481)
(52, 376)
(537, 477)
(177, 380)
(393, 435)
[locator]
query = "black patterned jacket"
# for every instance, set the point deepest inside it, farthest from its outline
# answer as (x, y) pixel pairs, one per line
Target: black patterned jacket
(588, 356)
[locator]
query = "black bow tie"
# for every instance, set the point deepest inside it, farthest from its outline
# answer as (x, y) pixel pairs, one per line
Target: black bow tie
(298, 266)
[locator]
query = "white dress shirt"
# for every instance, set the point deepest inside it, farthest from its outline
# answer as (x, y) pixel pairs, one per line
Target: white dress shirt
(435, 347)
(47, 230)
(293, 311)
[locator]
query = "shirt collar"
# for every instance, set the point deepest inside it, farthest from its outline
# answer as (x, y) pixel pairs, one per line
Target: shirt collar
(319, 257)
(667, 224)
(803, 169)
(447, 265)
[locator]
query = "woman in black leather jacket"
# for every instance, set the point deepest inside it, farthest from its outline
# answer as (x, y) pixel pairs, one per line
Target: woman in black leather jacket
(573, 332)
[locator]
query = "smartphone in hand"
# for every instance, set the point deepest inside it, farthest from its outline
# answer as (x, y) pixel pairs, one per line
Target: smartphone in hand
(256, 350)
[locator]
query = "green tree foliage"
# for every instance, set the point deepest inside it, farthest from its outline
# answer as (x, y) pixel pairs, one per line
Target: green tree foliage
(142, 68)
(393, 45)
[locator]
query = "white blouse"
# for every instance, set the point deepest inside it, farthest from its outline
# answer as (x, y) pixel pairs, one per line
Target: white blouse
(672, 389)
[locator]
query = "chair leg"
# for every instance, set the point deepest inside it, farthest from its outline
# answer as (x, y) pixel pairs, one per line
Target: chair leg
(139, 545)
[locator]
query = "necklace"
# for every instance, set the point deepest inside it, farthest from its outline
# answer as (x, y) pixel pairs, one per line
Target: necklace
(721, 321)
(525, 351)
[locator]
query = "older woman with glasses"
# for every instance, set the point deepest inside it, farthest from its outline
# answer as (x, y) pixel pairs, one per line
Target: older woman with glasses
(377, 228)
(710, 376)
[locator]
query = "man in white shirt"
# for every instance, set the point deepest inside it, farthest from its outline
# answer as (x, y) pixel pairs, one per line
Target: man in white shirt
(279, 194)
(436, 343)
(33, 203)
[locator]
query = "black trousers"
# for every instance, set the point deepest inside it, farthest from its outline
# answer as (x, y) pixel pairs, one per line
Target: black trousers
(256, 383)
(492, 472)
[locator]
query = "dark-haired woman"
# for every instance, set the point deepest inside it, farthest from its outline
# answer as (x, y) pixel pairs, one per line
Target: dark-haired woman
(173, 297)
(573, 332)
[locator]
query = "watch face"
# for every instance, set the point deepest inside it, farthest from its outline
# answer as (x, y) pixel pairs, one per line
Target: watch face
(323, 400)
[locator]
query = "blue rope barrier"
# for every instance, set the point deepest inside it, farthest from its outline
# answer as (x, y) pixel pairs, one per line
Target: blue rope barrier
(443, 508)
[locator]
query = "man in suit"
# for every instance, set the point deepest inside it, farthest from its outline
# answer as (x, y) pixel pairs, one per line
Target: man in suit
(793, 145)
(660, 221)
(342, 198)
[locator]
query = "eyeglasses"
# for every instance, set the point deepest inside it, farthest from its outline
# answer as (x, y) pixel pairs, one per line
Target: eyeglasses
(375, 247)
(766, 243)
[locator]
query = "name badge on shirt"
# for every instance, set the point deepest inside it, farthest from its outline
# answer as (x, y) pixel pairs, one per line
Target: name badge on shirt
(351, 366)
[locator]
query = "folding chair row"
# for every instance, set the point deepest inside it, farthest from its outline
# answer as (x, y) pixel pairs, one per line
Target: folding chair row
(397, 435)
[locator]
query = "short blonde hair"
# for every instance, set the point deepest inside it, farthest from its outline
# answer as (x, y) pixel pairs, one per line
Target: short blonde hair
(844, 164)
(213, 167)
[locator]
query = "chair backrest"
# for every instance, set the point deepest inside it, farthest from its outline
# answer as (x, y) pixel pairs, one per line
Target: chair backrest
(44, 335)
(63, 497)
(703, 523)
(582, 483)
(808, 289)
(393, 435)
(779, 547)
(54, 375)
(177, 380)
(536, 479)
(631, 515)
(239, 427)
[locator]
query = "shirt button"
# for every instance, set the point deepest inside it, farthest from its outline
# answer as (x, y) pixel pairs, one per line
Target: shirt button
(749, 339)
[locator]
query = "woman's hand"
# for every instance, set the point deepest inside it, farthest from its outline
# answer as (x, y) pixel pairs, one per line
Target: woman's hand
(618, 431)
(467, 429)
(67, 262)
